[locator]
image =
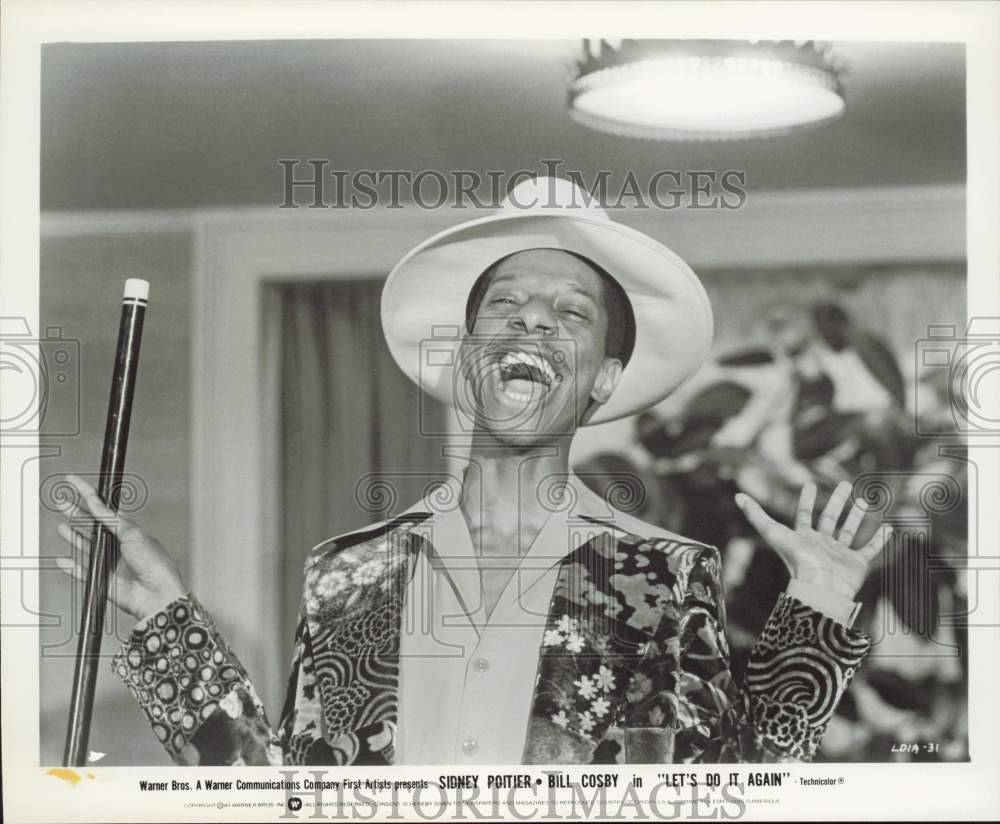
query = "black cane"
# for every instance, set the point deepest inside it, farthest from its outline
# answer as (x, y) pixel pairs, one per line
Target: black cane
(104, 545)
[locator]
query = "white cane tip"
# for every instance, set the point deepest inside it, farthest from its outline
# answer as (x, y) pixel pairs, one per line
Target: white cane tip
(136, 289)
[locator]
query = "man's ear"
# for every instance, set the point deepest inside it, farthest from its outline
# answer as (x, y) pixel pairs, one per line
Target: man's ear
(607, 379)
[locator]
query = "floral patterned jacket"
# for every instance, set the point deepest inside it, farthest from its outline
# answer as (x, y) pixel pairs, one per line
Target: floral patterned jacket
(646, 617)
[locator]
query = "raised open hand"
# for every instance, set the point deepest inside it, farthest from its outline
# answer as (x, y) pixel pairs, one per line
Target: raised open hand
(815, 554)
(145, 579)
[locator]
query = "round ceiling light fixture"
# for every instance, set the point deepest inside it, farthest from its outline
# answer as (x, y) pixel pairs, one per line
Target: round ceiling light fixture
(705, 89)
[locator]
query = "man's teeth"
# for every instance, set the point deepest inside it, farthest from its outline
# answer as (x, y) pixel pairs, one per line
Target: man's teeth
(516, 394)
(529, 359)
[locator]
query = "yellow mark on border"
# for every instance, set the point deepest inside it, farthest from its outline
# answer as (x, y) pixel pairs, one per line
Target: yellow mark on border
(65, 774)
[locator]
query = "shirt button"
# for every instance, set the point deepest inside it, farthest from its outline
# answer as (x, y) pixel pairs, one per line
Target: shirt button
(480, 665)
(470, 746)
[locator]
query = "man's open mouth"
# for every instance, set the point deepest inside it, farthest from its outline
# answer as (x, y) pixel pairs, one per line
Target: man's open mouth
(522, 373)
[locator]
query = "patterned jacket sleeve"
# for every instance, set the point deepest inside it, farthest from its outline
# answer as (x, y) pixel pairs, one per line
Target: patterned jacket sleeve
(798, 671)
(683, 704)
(196, 694)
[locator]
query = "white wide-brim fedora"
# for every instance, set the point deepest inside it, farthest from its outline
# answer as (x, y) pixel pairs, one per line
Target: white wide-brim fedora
(425, 295)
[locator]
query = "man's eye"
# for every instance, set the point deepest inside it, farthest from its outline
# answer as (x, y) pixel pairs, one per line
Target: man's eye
(575, 313)
(503, 299)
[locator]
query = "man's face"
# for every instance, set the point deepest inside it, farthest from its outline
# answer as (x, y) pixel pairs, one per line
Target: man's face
(787, 328)
(536, 359)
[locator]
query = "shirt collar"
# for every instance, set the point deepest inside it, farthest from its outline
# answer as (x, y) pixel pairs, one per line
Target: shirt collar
(577, 516)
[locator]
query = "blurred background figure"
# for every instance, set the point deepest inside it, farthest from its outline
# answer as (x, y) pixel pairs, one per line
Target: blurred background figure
(845, 387)
(818, 398)
(909, 705)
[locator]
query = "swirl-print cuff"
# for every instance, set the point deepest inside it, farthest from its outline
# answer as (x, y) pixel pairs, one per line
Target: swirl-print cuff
(831, 604)
(798, 672)
(179, 668)
(796, 625)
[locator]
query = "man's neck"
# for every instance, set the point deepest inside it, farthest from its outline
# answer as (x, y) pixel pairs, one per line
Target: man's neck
(508, 494)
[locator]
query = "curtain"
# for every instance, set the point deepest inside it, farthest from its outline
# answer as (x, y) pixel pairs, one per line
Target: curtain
(347, 414)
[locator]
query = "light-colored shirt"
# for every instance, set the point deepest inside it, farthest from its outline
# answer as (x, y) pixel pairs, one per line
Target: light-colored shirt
(465, 681)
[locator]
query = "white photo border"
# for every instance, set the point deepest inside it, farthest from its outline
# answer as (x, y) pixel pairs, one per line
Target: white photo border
(871, 791)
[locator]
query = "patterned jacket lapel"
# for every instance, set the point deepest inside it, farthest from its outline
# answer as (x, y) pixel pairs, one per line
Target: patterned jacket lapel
(354, 590)
(609, 599)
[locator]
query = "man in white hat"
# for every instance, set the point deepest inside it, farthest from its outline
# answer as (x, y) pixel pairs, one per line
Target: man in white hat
(512, 616)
